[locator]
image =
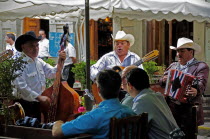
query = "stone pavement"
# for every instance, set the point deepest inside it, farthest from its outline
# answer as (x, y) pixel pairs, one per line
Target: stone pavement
(204, 131)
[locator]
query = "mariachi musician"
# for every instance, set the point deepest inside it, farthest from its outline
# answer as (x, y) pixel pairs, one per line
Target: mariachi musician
(121, 56)
(186, 49)
(32, 81)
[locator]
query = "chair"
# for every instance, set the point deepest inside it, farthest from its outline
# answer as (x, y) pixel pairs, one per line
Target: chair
(133, 127)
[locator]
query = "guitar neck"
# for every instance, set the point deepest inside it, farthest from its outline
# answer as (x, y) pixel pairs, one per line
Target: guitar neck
(139, 62)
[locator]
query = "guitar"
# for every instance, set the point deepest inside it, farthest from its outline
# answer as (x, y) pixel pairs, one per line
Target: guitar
(150, 56)
(5, 55)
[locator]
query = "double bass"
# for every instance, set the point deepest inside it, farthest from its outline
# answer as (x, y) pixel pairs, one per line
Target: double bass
(64, 100)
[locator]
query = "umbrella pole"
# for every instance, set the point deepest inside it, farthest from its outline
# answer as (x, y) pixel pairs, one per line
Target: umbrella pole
(88, 101)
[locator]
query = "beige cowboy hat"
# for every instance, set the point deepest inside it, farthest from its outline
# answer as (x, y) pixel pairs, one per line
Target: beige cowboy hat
(186, 43)
(121, 36)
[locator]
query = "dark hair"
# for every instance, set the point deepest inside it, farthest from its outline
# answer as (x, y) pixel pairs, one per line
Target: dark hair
(12, 36)
(191, 49)
(42, 30)
(138, 78)
(109, 83)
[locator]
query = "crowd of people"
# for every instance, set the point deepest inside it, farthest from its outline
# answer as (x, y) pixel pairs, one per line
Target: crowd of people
(164, 115)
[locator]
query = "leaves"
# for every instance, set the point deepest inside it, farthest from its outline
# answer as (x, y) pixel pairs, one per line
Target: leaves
(8, 74)
(80, 71)
(150, 67)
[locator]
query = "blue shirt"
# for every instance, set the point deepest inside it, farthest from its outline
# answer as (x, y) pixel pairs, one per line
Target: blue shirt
(96, 122)
(110, 60)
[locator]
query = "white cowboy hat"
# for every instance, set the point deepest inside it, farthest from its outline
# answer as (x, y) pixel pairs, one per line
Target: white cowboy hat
(186, 43)
(121, 36)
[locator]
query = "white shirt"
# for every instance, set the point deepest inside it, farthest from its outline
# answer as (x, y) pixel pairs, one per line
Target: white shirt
(32, 82)
(110, 60)
(70, 52)
(15, 52)
(44, 48)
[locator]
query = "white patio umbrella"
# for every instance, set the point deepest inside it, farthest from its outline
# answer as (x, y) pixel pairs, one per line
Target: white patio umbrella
(132, 9)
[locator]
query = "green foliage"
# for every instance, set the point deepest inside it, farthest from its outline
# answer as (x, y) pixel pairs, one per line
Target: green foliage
(154, 72)
(80, 71)
(50, 61)
(150, 67)
(7, 75)
(49, 82)
(161, 69)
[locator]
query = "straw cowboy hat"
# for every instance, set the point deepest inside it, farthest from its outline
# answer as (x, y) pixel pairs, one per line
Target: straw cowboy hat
(186, 43)
(121, 36)
(28, 36)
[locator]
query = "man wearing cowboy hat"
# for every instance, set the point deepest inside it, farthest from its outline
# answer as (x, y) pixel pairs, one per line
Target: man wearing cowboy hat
(121, 56)
(32, 80)
(186, 49)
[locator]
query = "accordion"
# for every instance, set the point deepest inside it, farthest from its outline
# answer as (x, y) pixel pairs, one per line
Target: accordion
(178, 83)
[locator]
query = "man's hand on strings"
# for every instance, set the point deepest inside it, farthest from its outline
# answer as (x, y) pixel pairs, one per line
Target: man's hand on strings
(192, 92)
(62, 55)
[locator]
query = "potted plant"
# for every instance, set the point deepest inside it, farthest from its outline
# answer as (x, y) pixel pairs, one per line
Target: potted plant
(8, 74)
(155, 73)
(150, 67)
(80, 72)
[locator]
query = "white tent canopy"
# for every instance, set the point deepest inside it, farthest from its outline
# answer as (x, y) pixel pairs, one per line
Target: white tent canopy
(132, 9)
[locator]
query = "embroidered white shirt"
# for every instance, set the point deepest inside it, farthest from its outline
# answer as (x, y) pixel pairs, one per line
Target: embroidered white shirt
(32, 81)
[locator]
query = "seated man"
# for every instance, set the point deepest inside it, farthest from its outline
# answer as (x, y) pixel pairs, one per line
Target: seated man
(127, 100)
(96, 122)
(160, 119)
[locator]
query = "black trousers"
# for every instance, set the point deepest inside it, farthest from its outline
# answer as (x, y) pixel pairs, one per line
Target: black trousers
(68, 75)
(183, 115)
(32, 109)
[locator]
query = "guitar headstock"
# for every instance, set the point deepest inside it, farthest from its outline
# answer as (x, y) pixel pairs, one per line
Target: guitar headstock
(5, 55)
(151, 56)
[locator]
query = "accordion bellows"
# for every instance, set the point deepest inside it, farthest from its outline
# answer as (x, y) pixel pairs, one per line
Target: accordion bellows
(177, 85)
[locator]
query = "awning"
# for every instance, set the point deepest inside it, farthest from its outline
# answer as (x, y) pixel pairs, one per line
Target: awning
(132, 9)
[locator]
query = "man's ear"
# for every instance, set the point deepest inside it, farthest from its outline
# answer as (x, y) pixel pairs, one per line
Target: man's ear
(130, 86)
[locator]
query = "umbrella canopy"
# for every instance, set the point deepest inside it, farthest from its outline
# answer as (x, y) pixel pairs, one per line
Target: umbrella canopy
(132, 9)
(62, 9)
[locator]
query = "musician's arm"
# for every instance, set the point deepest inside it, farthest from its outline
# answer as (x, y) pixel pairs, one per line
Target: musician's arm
(22, 89)
(163, 80)
(97, 67)
(57, 130)
(71, 52)
(202, 75)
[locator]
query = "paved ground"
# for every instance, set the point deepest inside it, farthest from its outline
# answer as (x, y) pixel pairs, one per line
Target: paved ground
(204, 131)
